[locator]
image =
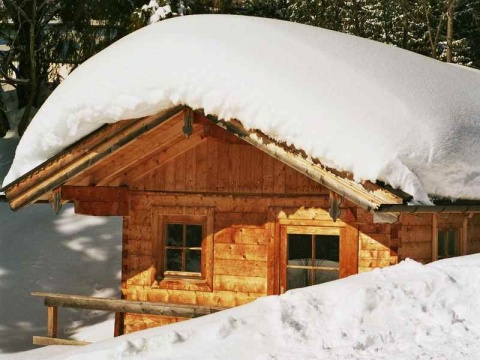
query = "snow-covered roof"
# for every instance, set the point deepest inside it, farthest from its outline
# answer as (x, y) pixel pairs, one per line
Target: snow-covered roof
(356, 105)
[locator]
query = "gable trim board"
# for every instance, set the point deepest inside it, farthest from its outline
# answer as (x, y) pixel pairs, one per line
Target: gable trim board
(99, 145)
(81, 155)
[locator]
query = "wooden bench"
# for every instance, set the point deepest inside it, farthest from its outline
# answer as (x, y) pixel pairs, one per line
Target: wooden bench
(118, 306)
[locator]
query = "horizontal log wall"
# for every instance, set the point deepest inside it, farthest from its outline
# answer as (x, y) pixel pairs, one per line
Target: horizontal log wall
(242, 242)
(416, 237)
(242, 251)
(379, 243)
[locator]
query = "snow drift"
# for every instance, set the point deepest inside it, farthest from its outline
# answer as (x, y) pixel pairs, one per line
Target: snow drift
(407, 311)
(369, 108)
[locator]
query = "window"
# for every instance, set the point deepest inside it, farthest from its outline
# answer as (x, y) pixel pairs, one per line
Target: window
(183, 248)
(448, 243)
(311, 259)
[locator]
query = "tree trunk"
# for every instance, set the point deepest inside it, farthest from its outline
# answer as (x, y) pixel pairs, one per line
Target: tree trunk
(450, 11)
(33, 72)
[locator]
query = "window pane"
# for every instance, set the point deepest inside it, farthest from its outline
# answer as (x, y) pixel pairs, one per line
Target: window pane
(193, 260)
(174, 260)
(174, 235)
(452, 243)
(441, 244)
(297, 278)
(194, 236)
(327, 247)
(299, 248)
(323, 276)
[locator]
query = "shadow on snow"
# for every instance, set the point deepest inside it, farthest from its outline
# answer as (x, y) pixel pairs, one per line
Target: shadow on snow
(65, 253)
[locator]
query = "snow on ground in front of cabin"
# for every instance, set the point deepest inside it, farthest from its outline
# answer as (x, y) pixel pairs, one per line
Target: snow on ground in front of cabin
(65, 253)
(407, 311)
(373, 109)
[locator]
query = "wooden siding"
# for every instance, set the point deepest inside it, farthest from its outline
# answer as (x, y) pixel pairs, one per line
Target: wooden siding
(473, 231)
(211, 160)
(378, 243)
(252, 199)
(416, 234)
(228, 168)
(246, 242)
(242, 247)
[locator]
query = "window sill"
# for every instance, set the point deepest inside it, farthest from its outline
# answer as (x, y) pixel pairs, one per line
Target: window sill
(192, 283)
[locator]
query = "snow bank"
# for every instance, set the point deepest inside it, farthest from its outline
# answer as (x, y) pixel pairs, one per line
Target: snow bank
(378, 111)
(408, 311)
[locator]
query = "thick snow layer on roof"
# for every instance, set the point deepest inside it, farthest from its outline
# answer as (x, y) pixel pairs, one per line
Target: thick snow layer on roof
(407, 311)
(372, 109)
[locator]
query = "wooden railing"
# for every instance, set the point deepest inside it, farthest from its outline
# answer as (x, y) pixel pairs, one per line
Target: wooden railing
(118, 306)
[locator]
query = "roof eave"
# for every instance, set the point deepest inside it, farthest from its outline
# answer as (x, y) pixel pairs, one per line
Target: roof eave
(418, 209)
(56, 171)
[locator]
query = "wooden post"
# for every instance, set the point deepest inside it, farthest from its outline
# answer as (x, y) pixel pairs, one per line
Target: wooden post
(52, 312)
(464, 236)
(118, 330)
(434, 238)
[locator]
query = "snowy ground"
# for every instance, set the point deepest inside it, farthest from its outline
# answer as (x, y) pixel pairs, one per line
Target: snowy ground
(408, 311)
(65, 253)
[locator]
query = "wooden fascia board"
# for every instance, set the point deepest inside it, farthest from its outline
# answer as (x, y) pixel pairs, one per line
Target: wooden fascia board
(97, 200)
(68, 155)
(94, 193)
(55, 171)
(420, 209)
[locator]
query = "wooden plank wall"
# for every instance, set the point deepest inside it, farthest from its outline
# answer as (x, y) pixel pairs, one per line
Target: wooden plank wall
(416, 237)
(242, 240)
(473, 237)
(228, 168)
(242, 247)
(379, 243)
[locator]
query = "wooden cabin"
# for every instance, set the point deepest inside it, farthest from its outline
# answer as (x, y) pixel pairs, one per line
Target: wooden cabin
(218, 216)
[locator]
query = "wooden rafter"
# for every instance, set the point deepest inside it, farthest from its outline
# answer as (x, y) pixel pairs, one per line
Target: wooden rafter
(133, 153)
(161, 157)
(78, 158)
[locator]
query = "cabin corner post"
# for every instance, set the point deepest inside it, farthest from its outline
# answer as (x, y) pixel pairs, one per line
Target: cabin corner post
(52, 321)
(349, 250)
(434, 238)
(273, 251)
(119, 326)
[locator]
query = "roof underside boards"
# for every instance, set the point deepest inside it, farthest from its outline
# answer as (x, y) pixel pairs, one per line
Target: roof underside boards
(123, 153)
(91, 149)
